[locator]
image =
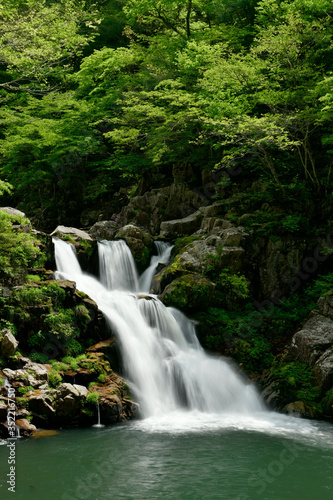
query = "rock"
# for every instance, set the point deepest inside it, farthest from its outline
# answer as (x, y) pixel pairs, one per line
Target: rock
(276, 263)
(105, 230)
(26, 428)
(298, 409)
(8, 343)
(10, 374)
(325, 306)
(41, 405)
(323, 371)
(40, 372)
(77, 234)
(140, 243)
(191, 292)
(69, 399)
(13, 211)
(172, 202)
(136, 233)
(3, 411)
(181, 227)
(110, 409)
(316, 337)
(217, 208)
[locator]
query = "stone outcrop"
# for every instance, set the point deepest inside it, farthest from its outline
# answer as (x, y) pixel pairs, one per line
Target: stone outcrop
(312, 346)
(76, 234)
(103, 230)
(172, 202)
(8, 343)
(181, 227)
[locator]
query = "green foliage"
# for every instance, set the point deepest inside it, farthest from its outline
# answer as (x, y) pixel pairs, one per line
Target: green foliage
(24, 390)
(92, 398)
(55, 379)
(101, 378)
(29, 296)
(295, 382)
(39, 357)
(17, 248)
(62, 323)
(1, 381)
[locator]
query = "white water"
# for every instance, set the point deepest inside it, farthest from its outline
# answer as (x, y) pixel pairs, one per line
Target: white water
(98, 425)
(162, 257)
(178, 386)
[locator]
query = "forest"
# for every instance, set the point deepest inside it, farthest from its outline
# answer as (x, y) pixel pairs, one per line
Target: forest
(101, 101)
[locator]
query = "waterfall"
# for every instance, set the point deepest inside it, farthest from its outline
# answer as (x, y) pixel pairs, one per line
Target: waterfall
(117, 267)
(162, 257)
(98, 425)
(166, 367)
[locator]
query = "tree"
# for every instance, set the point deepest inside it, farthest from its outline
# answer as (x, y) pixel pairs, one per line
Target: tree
(40, 40)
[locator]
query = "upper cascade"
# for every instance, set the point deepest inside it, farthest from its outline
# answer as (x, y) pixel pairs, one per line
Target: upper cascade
(166, 367)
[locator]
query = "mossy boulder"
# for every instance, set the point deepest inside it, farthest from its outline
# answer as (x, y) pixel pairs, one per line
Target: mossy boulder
(189, 293)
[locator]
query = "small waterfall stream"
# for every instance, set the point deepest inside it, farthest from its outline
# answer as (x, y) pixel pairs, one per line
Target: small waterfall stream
(167, 368)
(162, 257)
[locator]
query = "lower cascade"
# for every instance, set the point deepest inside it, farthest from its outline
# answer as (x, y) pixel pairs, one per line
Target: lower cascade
(166, 367)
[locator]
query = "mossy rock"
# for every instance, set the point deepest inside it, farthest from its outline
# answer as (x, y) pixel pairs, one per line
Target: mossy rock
(189, 293)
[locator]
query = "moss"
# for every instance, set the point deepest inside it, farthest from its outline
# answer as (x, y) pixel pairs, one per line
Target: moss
(92, 398)
(181, 243)
(189, 293)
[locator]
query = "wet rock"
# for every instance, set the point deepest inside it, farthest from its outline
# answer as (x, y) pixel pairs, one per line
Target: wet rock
(26, 428)
(76, 234)
(140, 243)
(298, 409)
(8, 344)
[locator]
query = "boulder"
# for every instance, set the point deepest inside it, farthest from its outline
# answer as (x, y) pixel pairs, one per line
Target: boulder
(190, 292)
(13, 211)
(140, 243)
(276, 263)
(69, 399)
(8, 344)
(40, 405)
(323, 371)
(172, 202)
(313, 340)
(40, 372)
(103, 230)
(26, 428)
(76, 234)
(181, 227)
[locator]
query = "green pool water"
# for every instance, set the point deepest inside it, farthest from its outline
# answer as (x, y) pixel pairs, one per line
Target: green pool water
(186, 457)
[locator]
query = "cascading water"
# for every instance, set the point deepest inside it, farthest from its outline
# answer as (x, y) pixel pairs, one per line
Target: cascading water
(166, 366)
(162, 257)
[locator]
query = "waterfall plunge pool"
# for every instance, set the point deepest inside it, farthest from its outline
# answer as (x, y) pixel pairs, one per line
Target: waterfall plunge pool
(204, 432)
